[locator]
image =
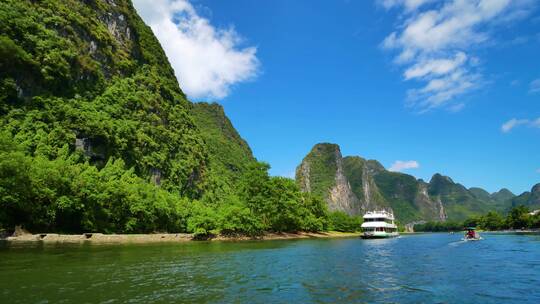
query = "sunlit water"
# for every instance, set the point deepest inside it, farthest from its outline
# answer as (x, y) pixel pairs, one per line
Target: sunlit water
(430, 268)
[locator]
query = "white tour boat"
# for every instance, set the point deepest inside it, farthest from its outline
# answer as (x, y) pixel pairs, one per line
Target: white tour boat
(379, 224)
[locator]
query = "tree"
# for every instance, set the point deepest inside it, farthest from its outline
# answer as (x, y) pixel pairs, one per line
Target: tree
(492, 221)
(341, 221)
(518, 217)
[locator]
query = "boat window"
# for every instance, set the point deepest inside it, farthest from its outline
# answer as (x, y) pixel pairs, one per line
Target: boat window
(377, 220)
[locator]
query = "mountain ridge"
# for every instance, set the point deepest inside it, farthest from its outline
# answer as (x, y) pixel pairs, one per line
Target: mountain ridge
(372, 186)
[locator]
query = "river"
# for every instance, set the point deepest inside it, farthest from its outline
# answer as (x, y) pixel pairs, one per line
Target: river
(425, 268)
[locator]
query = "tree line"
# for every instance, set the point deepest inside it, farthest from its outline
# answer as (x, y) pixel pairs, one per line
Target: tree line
(67, 194)
(519, 217)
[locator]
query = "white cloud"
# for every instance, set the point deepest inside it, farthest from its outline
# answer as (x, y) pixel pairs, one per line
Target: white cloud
(400, 165)
(537, 170)
(534, 86)
(434, 43)
(407, 4)
(207, 61)
(438, 91)
(435, 67)
(514, 122)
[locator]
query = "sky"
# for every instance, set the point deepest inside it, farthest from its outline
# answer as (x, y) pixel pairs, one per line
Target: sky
(422, 86)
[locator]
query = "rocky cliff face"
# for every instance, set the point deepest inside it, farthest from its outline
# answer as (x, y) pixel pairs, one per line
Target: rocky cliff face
(322, 172)
(360, 174)
(432, 208)
(347, 184)
(341, 196)
(354, 185)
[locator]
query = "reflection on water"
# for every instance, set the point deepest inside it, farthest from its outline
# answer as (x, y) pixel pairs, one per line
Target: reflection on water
(410, 269)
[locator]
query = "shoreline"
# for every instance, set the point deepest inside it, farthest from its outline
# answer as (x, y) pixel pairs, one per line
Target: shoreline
(100, 238)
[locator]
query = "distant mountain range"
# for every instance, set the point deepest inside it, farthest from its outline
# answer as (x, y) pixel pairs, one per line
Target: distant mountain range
(354, 185)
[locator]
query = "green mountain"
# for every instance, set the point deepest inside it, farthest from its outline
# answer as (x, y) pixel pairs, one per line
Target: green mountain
(355, 185)
(91, 111)
(528, 199)
(480, 193)
(96, 135)
(502, 196)
(90, 75)
(229, 154)
(458, 201)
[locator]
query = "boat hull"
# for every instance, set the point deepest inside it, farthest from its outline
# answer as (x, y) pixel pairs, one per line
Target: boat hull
(379, 236)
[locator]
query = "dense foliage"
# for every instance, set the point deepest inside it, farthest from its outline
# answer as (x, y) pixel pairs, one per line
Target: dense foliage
(96, 135)
(438, 226)
(68, 194)
(92, 73)
(340, 221)
(519, 217)
(229, 154)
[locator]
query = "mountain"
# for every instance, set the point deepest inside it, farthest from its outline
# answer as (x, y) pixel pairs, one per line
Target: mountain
(229, 153)
(502, 195)
(91, 75)
(96, 134)
(530, 199)
(458, 201)
(354, 185)
(480, 193)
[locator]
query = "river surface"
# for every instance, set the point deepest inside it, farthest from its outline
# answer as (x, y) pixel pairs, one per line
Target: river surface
(427, 268)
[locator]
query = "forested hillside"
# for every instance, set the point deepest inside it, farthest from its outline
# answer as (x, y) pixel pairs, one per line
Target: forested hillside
(96, 134)
(530, 199)
(229, 153)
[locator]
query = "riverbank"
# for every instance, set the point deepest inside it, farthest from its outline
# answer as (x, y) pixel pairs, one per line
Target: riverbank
(100, 238)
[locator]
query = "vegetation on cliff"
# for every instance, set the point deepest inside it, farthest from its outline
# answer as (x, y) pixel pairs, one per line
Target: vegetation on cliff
(530, 199)
(229, 154)
(411, 199)
(319, 175)
(98, 137)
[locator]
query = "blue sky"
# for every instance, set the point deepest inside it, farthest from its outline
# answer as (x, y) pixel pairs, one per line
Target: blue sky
(442, 86)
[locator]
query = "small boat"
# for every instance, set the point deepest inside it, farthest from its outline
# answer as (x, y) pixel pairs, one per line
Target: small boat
(379, 224)
(472, 235)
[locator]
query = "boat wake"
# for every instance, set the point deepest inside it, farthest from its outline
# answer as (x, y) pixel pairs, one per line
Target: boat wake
(456, 243)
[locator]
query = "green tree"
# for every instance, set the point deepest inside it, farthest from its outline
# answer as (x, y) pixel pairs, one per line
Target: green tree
(340, 221)
(492, 221)
(518, 217)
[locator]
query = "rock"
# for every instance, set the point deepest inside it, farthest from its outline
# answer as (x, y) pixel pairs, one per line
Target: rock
(155, 176)
(20, 231)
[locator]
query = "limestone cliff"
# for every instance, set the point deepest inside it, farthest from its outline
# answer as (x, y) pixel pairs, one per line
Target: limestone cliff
(354, 185)
(322, 172)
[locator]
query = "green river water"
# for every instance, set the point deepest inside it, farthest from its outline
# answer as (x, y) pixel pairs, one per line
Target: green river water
(427, 268)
